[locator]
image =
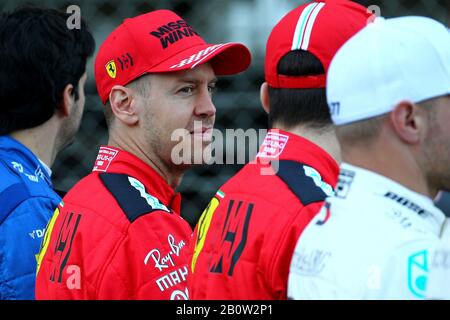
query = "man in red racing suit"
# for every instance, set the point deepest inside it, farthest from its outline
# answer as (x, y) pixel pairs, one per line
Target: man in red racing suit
(245, 238)
(138, 248)
(118, 233)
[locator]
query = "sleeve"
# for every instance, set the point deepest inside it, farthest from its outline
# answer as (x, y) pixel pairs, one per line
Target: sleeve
(21, 235)
(280, 249)
(152, 261)
(439, 279)
(312, 267)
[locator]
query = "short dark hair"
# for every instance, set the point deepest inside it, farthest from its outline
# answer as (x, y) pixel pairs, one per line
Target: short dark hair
(292, 107)
(39, 57)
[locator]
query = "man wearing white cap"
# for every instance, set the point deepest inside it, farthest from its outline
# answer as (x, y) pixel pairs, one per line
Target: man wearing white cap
(388, 92)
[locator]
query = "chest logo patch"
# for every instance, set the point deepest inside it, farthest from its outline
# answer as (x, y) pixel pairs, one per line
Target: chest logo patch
(151, 200)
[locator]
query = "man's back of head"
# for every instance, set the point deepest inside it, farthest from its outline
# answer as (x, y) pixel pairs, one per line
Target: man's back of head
(298, 53)
(388, 93)
(40, 56)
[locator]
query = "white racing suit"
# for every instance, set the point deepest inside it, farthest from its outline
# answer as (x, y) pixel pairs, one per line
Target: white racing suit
(439, 279)
(372, 240)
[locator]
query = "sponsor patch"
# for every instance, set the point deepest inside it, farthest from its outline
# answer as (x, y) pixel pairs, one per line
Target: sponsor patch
(344, 183)
(273, 145)
(405, 202)
(173, 32)
(37, 234)
(203, 227)
(111, 69)
(104, 158)
(18, 166)
(418, 273)
(310, 262)
(33, 178)
(172, 279)
(163, 261)
(125, 61)
(180, 295)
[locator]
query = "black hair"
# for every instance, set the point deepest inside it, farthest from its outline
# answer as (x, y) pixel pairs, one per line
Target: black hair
(39, 57)
(292, 107)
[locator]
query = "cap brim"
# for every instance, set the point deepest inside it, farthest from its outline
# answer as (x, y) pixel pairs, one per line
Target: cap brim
(225, 58)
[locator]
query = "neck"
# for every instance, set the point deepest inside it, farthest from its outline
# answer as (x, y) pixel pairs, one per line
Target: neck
(172, 177)
(394, 161)
(41, 140)
(323, 137)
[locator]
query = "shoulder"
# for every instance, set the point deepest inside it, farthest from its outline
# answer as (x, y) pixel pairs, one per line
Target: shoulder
(21, 196)
(283, 181)
(10, 174)
(304, 181)
(131, 195)
(16, 173)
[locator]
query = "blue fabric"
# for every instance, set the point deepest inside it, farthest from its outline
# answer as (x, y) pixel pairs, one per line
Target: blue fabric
(27, 201)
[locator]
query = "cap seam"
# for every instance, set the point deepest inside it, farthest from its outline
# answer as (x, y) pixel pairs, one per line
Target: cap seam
(135, 44)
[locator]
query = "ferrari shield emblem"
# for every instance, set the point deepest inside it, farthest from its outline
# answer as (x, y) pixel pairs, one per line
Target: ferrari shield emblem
(111, 69)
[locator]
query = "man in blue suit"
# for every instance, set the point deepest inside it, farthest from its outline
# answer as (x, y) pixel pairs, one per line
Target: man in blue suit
(42, 77)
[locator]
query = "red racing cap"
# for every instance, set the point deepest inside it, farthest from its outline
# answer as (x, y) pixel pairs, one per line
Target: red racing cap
(319, 27)
(160, 41)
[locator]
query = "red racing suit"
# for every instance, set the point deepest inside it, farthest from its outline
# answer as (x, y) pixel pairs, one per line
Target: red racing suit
(116, 235)
(245, 238)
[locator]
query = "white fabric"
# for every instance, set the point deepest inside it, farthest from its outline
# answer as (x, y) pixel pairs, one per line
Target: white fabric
(309, 26)
(46, 167)
(300, 27)
(438, 286)
(375, 244)
(388, 61)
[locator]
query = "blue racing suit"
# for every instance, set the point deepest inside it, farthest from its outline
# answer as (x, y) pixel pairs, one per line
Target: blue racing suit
(27, 201)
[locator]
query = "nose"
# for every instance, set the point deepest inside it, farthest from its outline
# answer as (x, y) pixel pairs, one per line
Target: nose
(205, 108)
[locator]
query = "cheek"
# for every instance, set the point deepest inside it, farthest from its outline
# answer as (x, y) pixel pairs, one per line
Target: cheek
(166, 124)
(178, 118)
(172, 114)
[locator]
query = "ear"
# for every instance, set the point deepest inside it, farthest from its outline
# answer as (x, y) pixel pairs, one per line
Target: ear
(409, 121)
(67, 101)
(123, 104)
(264, 96)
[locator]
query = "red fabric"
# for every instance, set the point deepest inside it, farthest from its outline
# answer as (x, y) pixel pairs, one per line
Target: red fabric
(276, 219)
(112, 254)
(335, 24)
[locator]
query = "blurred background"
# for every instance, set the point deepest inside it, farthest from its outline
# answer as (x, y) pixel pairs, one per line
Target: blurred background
(237, 100)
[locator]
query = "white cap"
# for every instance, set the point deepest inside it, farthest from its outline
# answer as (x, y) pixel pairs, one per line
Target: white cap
(386, 62)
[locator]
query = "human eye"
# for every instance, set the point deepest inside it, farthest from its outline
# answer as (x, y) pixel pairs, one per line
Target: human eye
(186, 90)
(212, 88)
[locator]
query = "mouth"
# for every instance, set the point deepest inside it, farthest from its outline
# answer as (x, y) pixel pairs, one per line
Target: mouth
(204, 133)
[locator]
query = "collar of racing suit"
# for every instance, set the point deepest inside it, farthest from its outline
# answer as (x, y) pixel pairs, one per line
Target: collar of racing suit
(358, 183)
(114, 160)
(283, 145)
(33, 165)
